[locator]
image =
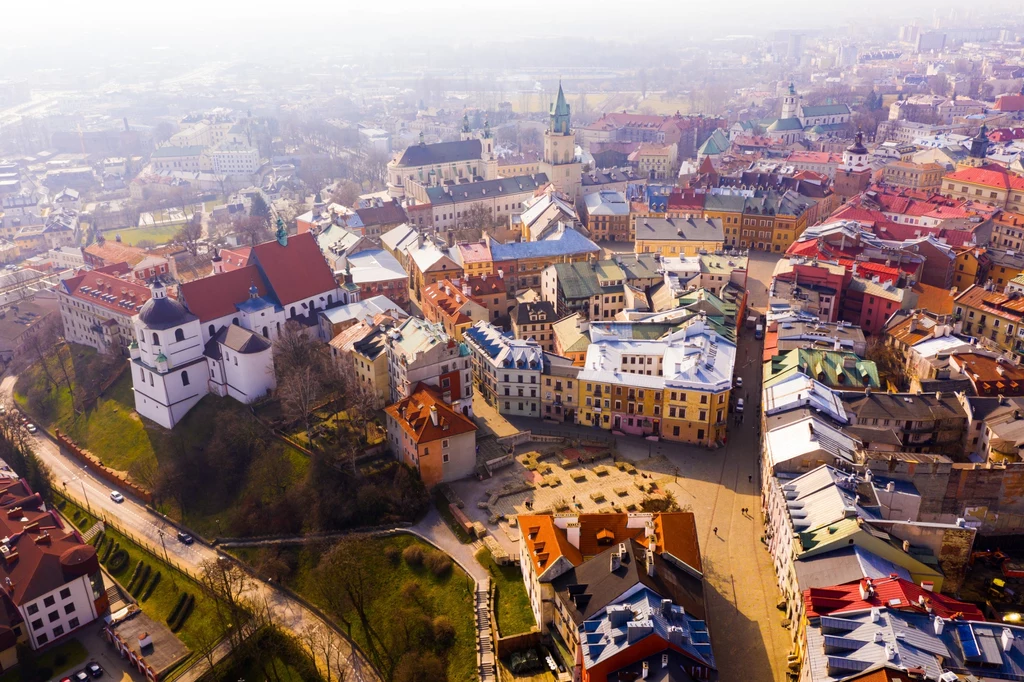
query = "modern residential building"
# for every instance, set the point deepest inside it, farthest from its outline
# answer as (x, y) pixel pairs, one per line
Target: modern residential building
(506, 370)
(427, 434)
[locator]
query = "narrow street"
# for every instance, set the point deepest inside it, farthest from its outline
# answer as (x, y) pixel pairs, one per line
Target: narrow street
(151, 529)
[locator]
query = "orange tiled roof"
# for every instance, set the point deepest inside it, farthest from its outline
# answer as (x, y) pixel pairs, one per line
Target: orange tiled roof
(413, 415)
(993, 302)
(675, 533)
(934, 299)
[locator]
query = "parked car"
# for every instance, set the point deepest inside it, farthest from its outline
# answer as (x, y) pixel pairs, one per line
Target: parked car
(739, 405)
(94, 669)
(184, 538)
(739, 382)
(81, 676)
(30, 427)
(116, 496)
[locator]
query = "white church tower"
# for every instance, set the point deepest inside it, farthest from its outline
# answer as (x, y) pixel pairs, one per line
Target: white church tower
(169, 371)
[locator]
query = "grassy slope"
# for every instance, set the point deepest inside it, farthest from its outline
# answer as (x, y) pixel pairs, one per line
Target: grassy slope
(511, 601)
(450, 595)
(72, 651)
(124, 441)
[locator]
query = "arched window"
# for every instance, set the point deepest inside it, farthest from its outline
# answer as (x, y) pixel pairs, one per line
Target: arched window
(236, 361)
(266, 332)
(184, 378)
(293, 311)
(312, 305)
(278, 327)
(234, 320)
(179, 335)
(213, 331)
(156, 339)
(330, 299)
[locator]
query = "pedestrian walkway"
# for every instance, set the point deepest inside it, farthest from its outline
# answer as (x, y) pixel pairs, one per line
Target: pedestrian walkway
(485, 644)
(93, 531)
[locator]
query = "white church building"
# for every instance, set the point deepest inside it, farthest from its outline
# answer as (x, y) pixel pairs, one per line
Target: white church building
(218, 336)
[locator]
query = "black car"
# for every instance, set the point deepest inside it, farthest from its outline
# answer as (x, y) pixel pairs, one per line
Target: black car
(94, 669)
(184, 538)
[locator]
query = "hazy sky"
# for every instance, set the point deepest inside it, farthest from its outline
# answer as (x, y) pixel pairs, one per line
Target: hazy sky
(346, 21)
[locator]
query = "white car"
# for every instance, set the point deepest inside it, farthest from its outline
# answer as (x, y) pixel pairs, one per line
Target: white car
(116, 496)
(31, 428)
(739, 382)
(739, 405)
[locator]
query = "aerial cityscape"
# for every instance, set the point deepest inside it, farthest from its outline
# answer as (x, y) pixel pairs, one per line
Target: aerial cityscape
(445, 342)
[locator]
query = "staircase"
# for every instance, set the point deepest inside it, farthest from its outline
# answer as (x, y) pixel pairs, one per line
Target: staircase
(485, 644)
(93, 531)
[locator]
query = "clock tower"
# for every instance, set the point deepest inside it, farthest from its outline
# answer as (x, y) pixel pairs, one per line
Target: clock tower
(559, 161)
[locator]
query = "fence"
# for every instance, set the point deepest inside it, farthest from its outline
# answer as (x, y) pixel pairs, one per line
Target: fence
(97, 467)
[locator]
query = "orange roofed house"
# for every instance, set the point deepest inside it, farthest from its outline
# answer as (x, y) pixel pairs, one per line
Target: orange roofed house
(428, 435)
(619, 590)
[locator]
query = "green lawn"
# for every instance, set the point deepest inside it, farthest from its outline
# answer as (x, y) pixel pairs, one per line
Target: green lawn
(287, 663)
(124, 441)
(510, 599)
(167, 592)
(450, 595)
(70, 654)
(159, 234)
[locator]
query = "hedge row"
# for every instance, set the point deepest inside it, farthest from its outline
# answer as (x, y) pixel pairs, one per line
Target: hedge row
(118, 560)
(152, 586)
(183, 613)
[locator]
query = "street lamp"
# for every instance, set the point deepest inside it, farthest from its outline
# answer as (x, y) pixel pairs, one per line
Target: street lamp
(160, 532)
(84, 494)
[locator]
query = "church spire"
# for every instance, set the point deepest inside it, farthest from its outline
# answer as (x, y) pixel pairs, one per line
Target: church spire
(560, 114)
(465, 122)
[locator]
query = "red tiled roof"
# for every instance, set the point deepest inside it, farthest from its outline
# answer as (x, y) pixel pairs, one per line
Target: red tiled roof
(295, 272)
(988, 175)
(115, 252)
(1010, 103)
(892, 592)
(236, 258)
(107, 291)
(216, 296)
(412, 414)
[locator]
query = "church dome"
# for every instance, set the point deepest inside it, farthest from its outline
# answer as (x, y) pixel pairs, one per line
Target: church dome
(163, 313)
(858, 145)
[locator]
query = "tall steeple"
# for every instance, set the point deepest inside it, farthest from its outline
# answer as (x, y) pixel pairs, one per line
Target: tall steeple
(560, 114)
(979, 144)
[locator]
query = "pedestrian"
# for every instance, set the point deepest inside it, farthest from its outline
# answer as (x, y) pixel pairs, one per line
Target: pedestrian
(716, 530)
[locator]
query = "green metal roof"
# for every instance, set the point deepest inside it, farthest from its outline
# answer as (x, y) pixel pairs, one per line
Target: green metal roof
(577, 280)
(835, 369)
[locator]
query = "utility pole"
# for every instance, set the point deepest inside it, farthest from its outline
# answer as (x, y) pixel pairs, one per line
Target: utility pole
(160, 532)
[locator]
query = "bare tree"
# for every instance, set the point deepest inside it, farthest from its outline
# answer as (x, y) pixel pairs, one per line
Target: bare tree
(254, 229)
(300, 392)
(189, 236)
(228, 584)
(325, 649)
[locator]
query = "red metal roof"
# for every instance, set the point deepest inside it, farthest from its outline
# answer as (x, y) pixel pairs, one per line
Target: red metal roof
(891, 592)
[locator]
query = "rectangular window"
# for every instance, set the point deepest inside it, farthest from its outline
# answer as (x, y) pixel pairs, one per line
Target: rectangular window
(49, 601)
(445, 458)
(42, 639)
(33, 609)
(73, 623)
(37, 623)
(53, 616)
(58, 631)
(69, 608)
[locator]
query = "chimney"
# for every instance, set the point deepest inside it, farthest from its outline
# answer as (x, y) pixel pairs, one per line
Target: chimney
(938, 624)
(906, 546)
(615, 561)
(649, 555)
(1007, 639)
(433, 415)
(645, 671)
(865, 590)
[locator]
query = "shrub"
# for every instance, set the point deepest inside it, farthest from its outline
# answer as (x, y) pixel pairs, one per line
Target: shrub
(417, 666)
(118, 561)
(413, 555)
(439, 563)
(392, 554)
(411, 590)
(152, 586)
(133, 582)
(111, 548)
(141, 582)
(183, 614)
(444, 631)
(173, 615)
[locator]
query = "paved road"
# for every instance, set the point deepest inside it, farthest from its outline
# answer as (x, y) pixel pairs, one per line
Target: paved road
(147, 526)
